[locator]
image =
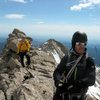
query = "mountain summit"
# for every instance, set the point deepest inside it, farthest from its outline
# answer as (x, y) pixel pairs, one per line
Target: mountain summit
(56, 48)
(34, 82)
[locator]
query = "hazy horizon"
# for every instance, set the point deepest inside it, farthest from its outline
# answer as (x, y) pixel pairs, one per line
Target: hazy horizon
(53, 18)
(61, 39)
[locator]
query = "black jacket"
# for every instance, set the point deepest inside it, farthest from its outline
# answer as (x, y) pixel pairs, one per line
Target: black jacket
(83, 75)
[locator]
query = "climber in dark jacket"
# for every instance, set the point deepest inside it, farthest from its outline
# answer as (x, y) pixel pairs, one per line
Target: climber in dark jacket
(83, 75)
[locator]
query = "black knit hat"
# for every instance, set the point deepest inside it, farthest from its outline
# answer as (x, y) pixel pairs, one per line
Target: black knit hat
(79, 37)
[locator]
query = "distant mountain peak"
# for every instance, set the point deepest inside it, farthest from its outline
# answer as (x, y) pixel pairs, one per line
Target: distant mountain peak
(52, 45)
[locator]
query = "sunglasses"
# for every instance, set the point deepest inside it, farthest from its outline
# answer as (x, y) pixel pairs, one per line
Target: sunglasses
(80, 43)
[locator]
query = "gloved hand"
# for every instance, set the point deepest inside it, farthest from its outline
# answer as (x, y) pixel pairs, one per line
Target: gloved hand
(59, 83)
(61, 86)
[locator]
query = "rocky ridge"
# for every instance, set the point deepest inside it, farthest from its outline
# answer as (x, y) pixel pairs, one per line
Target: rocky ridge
(33, 82)
(30, 83)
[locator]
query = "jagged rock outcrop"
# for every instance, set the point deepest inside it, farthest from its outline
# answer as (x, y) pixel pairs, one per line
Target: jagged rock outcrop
(30, 83)
(14, 38)
(55, 46)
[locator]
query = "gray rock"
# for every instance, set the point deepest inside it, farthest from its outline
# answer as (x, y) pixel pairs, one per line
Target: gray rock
(2, 96)
(27, 92)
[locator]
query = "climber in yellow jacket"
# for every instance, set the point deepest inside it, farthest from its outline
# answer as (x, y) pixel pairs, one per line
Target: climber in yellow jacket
(23, 48)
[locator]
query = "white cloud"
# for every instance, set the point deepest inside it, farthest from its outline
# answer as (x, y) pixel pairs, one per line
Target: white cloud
(85, 4)
(80, 6)
(21, 1)
(14, 16)
(40, 22)
(94, 1)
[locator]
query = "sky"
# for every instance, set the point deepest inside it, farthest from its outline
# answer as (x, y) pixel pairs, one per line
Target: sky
(51, 18)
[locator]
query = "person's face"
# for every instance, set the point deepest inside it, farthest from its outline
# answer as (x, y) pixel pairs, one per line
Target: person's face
(79, 47)
(23, 39)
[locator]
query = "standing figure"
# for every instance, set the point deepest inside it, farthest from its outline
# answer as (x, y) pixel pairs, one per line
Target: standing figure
(23, 49)
(76, 71)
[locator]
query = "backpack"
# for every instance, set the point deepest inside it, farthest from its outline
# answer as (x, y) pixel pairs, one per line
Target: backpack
(24, 46)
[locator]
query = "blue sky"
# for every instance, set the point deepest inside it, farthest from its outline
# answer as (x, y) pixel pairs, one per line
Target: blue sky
(51, 18)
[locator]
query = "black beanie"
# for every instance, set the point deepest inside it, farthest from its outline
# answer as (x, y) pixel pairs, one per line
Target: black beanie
(79, 37)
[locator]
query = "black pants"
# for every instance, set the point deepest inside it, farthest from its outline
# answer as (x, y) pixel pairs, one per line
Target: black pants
(22, 54)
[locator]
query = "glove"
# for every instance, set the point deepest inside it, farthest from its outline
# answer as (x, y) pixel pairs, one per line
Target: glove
(61, 86)
(59, 83)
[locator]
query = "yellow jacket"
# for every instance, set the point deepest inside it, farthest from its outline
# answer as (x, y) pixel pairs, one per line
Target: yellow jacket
(23, 46)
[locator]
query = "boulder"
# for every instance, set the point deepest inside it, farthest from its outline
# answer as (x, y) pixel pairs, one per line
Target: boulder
(13, 44)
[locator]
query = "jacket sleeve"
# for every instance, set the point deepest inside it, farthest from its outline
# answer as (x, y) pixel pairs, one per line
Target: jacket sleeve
(89, 78)
(60, 69)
